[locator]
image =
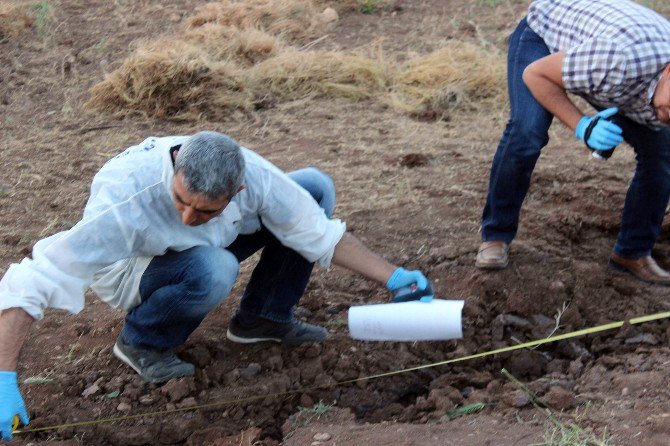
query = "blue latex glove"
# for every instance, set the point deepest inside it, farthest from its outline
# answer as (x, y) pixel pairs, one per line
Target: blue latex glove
(402, 278)
(11, 404)
(598, 133)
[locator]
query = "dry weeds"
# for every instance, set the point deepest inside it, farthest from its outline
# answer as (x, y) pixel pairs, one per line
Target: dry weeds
(292, 19)
(15, 19)
(241, 56)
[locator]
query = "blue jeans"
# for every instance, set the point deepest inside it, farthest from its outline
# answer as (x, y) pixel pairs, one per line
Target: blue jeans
(179, 289)
(526, 134)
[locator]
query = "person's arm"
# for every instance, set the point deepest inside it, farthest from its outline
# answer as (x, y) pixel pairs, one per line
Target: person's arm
(544, 79)
(14, 326)
(350, 253)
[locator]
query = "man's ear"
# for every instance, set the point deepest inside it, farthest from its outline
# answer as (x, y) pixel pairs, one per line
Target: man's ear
(174, 155)
(241, 188)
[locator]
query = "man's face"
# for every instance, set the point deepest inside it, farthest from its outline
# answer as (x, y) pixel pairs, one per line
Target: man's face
(662, 97)
(195, 209)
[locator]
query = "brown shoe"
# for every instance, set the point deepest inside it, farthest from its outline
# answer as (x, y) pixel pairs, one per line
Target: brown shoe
(492, 255)
(645, 269)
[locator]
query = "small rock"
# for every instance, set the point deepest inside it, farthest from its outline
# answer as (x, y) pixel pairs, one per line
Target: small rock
(114, 384)
(124, 407)
(275, 362)
(177, 389)
(560, 398)
(251, 370)
(302, 313)
(323, 436)
(516, 399)
(147, 400)
(643, 338)
(329, 15)
(187, 402)
(93, 389)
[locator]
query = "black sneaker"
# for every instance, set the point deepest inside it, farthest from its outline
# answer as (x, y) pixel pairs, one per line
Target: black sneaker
(290, 334)
(153, 365)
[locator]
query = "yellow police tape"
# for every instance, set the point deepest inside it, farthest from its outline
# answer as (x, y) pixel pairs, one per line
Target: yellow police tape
(573, 334)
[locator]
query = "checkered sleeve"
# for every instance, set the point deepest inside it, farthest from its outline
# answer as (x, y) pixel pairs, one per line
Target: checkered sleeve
(595, 68)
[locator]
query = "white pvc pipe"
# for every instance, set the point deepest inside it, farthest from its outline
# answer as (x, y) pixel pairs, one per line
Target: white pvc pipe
(407, 321)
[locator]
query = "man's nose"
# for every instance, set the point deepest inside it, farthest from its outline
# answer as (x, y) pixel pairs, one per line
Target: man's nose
(188, 215)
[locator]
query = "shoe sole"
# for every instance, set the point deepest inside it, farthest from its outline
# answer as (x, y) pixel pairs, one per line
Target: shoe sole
(622, 268)
(293, 343)
(499, 265)
(240, 340)
(119, 354)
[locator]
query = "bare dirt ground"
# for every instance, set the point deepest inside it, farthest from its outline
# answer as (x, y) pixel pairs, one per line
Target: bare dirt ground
(412, 190)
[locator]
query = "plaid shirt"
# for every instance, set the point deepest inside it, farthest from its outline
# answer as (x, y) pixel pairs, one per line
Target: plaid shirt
(615, 51)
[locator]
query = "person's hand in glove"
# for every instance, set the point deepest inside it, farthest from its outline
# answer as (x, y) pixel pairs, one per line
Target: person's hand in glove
(11, 404)
(409, 285)
(598, 133)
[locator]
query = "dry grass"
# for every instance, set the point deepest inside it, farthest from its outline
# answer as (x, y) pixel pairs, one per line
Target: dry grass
(290, 19)
(240, 56)
(246, 46)
(172, 79)
(15, 18)
(295, 74)
(458, 75)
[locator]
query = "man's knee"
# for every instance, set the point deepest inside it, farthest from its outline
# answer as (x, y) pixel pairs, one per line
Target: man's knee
(319, 185)
(530, 136)
(213, 274)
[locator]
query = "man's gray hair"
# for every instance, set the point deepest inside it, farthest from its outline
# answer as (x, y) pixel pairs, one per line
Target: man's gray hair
(211, 164)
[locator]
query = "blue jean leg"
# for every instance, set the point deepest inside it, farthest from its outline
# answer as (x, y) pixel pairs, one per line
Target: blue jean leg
(519, 148)
(649, 190)
(178, 290)
(280, 277)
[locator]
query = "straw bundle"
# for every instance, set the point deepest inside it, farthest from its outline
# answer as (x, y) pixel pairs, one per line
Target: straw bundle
(458, 74)
(294, 74)
(172, 78)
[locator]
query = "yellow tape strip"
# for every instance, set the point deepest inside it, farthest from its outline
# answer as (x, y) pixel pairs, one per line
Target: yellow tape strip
(573, 334)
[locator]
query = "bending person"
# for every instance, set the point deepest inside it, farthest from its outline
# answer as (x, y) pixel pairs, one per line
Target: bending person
(616, 55)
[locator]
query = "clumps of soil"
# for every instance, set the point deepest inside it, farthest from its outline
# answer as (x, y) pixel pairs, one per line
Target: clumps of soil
(234, 56)
(414, 160)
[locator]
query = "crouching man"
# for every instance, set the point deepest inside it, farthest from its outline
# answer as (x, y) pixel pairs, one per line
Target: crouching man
(162, 235)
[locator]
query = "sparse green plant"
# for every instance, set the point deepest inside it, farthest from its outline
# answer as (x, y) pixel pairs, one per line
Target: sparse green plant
(560, 433)
(305, 415)
(100, 46)
(42, 12)
(491, 3)
(37, 380)
(467, 409)
(71, 350)
(317, 411)
(369, 6)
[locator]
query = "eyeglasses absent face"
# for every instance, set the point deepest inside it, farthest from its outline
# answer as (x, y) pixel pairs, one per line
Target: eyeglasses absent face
(195, 209)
